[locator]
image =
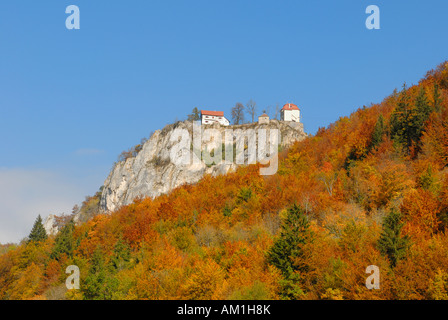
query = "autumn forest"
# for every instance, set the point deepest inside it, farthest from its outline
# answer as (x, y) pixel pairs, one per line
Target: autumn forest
(369, 189)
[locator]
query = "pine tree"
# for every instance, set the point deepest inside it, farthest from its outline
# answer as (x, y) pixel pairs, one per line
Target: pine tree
(195, 115)
(64, 242)
(423, 110)
(122, 255)
(378, 131)
(38, 232)
(437, 99)
(99, 284)
(287, 251)
(391, 243)
(401, 120)
(408, 121)
(428, 180)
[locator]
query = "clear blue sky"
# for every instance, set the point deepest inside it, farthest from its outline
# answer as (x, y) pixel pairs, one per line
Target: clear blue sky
(72, 100)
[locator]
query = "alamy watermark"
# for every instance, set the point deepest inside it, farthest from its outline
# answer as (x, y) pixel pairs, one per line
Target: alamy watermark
(72, 22)
(373, 20)
(72, 281)
(373, 281)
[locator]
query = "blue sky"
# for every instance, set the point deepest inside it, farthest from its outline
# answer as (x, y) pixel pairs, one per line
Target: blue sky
(72, 100)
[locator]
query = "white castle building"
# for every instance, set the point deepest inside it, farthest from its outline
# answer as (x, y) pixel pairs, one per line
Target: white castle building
(290, 112)
(209, 117)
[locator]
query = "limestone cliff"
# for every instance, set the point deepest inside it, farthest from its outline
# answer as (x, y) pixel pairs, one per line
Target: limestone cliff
(152, 172)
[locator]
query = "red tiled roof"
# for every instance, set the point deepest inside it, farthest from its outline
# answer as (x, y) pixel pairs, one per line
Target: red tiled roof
(264, 115)
(290, 106)
(213, 113)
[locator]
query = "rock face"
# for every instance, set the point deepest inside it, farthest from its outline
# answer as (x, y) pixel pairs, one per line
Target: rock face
(155, 169)
(50, 225)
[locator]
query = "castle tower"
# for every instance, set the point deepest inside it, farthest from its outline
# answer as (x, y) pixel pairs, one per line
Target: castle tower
(290, 112)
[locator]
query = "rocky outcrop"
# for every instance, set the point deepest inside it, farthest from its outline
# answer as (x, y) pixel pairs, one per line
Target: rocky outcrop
(51, 225)
(154, 170)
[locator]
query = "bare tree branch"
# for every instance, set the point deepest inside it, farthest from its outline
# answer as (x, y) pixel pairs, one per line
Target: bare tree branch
(238, 113)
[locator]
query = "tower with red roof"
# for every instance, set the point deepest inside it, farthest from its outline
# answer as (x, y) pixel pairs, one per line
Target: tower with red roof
(290, 112)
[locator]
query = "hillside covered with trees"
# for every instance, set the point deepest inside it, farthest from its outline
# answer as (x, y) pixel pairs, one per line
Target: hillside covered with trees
(370, 189)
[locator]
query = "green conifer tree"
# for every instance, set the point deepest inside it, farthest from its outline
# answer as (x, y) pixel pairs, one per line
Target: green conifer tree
(38, 232)
(391, 243)
(64, 242)
(195, 115)
(122, 255)
(428, 180)
(401, 120)
(287, 251)
(378, 132)
(423, 110)
(408, 121)
(99, 283)
(437, 99)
